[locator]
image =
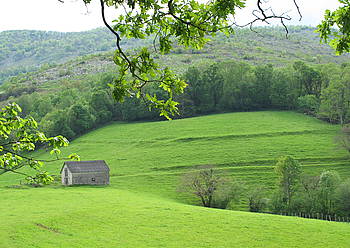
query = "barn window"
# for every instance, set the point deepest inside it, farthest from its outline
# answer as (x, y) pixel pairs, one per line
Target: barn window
(66, 172)
(93, 179)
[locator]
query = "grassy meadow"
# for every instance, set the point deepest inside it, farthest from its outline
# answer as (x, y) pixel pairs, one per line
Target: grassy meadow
(142, 208)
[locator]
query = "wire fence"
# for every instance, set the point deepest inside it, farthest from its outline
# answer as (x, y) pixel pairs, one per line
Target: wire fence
(318, 216)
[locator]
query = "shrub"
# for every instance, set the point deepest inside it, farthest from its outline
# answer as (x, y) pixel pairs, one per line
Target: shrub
(256, 199)
(308, 104)
(227, 194)
(343, 198)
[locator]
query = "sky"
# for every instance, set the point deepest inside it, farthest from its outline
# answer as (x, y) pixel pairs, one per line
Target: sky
(73, 16)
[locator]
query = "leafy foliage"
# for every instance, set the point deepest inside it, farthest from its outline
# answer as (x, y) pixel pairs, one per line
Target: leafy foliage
(308, 104)
(336, 24)
(212, 88)
(18, 137)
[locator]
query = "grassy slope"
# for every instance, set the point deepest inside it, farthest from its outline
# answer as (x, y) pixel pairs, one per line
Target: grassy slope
(141, 206)
(106, 217)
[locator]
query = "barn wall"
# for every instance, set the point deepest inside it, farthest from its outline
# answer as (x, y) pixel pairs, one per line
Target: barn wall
(87, 178)
(70, 177)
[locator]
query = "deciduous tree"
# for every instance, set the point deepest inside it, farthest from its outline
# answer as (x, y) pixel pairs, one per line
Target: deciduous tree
(288, 171)
(329, 181)
(202, 183)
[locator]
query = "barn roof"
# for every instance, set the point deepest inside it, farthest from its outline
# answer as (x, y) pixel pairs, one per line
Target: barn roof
(86, 166)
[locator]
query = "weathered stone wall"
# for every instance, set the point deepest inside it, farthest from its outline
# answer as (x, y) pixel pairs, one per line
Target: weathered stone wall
(94, 178)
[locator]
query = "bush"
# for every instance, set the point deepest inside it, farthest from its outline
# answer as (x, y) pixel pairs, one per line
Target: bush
(227, 194)
(277, 204)
(256, 199)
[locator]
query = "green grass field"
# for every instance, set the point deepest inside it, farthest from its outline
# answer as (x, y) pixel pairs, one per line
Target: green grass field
(142, 208)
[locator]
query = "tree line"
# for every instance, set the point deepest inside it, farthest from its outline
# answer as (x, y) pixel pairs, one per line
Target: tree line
(78, 106)
(318, 90)
(84, 103)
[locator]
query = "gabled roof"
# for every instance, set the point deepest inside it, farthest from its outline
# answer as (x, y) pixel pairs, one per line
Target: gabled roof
(86, 166)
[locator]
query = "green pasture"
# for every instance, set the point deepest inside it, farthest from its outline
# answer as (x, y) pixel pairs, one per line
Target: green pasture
(142, 207)
(107, 217)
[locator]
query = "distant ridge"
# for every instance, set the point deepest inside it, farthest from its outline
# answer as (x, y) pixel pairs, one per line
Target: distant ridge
(26, 50)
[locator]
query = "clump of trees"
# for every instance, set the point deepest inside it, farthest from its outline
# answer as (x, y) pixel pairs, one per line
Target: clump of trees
(295, 192)
(324, 194)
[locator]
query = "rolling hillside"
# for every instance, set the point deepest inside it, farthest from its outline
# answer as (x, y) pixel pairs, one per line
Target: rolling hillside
(142, 207)
(26, 50)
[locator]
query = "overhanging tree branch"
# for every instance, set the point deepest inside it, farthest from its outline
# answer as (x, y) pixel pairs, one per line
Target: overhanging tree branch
(13, 153)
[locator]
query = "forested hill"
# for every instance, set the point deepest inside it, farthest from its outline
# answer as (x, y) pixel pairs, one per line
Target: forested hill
(22, 51)
(25, 50)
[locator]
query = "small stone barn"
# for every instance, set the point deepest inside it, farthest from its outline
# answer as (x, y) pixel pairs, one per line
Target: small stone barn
(85, 172)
